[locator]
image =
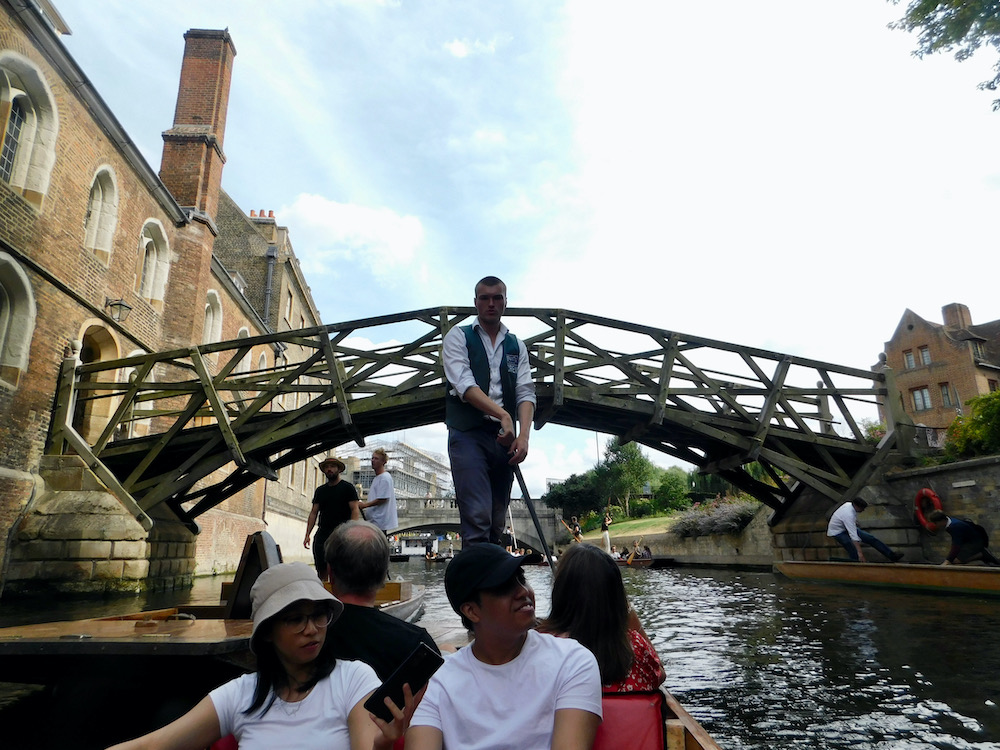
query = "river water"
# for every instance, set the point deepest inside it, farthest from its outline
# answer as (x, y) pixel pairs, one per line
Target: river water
(763, 662)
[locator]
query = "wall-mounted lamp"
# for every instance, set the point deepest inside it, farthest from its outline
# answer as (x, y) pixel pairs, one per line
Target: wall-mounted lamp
(118, 308)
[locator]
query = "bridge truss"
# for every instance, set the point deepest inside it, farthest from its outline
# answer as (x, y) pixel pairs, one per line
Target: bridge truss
(191, 427)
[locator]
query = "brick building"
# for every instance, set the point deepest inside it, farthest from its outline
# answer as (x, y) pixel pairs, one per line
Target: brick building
(85, 220)
(939, 367)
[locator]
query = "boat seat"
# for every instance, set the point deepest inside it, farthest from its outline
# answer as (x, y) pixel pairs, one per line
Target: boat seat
(632, 720)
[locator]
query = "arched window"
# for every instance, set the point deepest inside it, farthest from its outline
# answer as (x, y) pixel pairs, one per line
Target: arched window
(154, 263)
(11, 140)
(28, 127)
(17, 320)
(213, 318)
(102, 214)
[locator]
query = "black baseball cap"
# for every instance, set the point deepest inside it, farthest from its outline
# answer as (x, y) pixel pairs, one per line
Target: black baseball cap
(481, 566)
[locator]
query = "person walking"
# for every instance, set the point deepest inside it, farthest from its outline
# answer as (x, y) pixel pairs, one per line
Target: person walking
(333, 503)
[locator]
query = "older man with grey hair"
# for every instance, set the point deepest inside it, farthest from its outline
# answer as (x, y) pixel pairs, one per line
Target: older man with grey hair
(357, 555)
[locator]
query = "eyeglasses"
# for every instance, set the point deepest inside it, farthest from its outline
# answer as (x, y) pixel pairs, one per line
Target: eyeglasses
(297, 623)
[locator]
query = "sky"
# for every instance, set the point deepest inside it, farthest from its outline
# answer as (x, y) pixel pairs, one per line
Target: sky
(782, 175)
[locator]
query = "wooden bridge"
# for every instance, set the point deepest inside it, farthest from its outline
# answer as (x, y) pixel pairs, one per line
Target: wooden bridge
(193, 426)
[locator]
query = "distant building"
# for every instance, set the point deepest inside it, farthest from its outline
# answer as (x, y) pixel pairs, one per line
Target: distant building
(416, 474)
(939, 367)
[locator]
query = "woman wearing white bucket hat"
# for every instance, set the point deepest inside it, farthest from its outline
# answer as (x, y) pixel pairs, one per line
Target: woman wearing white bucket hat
(301, 696)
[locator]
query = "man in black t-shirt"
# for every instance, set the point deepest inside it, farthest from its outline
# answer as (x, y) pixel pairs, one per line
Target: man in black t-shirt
(333, 503)
(357, 553)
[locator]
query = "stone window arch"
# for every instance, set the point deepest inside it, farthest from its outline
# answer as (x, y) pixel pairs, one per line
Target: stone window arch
(102, 214)
(213, 318)
(17, 320)
(29, 125)
(153, 263)
(92, 412)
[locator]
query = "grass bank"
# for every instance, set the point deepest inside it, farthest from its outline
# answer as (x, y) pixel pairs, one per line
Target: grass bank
(634, 527)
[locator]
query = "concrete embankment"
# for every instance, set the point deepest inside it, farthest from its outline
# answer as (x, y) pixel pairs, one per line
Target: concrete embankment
(751, 548)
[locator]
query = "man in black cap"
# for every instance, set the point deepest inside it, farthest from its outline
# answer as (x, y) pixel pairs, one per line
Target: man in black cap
(512, 686)
(843, 527)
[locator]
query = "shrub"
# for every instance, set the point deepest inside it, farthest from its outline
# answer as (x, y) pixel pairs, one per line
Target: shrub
(978, 432)
(874, 431)
(590, 521)
(641, 507)
(721, 516)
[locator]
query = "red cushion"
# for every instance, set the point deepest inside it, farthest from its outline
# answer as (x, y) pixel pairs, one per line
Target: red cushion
(635, 719)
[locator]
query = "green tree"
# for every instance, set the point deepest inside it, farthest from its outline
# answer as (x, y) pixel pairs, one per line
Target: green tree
(976, 433)
(624, 471)
(672, 493)
(959, 26)
(576, 495)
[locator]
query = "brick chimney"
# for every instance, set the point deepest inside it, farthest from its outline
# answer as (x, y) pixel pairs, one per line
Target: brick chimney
(956, 315)
(192, 149)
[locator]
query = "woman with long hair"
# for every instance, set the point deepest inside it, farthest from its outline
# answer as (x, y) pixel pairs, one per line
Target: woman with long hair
(301, 696)
(589, 604)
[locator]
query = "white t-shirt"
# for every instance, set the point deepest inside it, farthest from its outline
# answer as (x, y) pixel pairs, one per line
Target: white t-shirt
(317, 722)
(845, 518)
(384, 514)
(513, 705)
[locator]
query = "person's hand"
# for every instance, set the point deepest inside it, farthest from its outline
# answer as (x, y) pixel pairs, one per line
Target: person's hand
(506, 434)
(392, 731)
(861, 557)
(305, 543)
(518, 451)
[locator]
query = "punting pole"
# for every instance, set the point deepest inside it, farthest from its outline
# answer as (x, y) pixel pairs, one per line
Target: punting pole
(534, 517)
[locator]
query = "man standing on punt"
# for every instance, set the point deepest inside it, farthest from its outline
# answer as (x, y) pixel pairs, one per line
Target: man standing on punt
(489, 381)
(333, 503)
(844, 528)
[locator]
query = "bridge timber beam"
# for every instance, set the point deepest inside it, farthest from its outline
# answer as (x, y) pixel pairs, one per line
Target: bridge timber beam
(191, 427)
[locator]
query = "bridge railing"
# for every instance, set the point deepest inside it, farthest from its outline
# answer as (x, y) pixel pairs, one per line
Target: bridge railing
(712, 403)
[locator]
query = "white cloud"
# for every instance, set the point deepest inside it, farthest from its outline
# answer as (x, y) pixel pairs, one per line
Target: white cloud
(464, 48)
(328, 232)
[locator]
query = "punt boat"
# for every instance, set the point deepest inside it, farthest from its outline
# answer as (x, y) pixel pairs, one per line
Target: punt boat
(177, 655)
(963, 579)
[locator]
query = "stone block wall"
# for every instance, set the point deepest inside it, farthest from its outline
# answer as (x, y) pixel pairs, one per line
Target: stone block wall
(752, 548)
(220, 543)
(76, 538)
(968, 489)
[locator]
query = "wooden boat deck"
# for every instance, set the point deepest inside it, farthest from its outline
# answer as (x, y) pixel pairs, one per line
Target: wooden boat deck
(963, 579)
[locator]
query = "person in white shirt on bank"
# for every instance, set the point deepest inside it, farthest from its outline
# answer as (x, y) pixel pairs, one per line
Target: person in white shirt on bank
(843, 527)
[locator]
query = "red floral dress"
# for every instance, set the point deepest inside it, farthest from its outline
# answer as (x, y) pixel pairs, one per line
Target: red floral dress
(646, 672)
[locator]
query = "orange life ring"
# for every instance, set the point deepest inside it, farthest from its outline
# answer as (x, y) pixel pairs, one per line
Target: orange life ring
(918, 504)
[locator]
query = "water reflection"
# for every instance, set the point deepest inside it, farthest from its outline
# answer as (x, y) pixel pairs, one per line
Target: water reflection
(768, 663)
